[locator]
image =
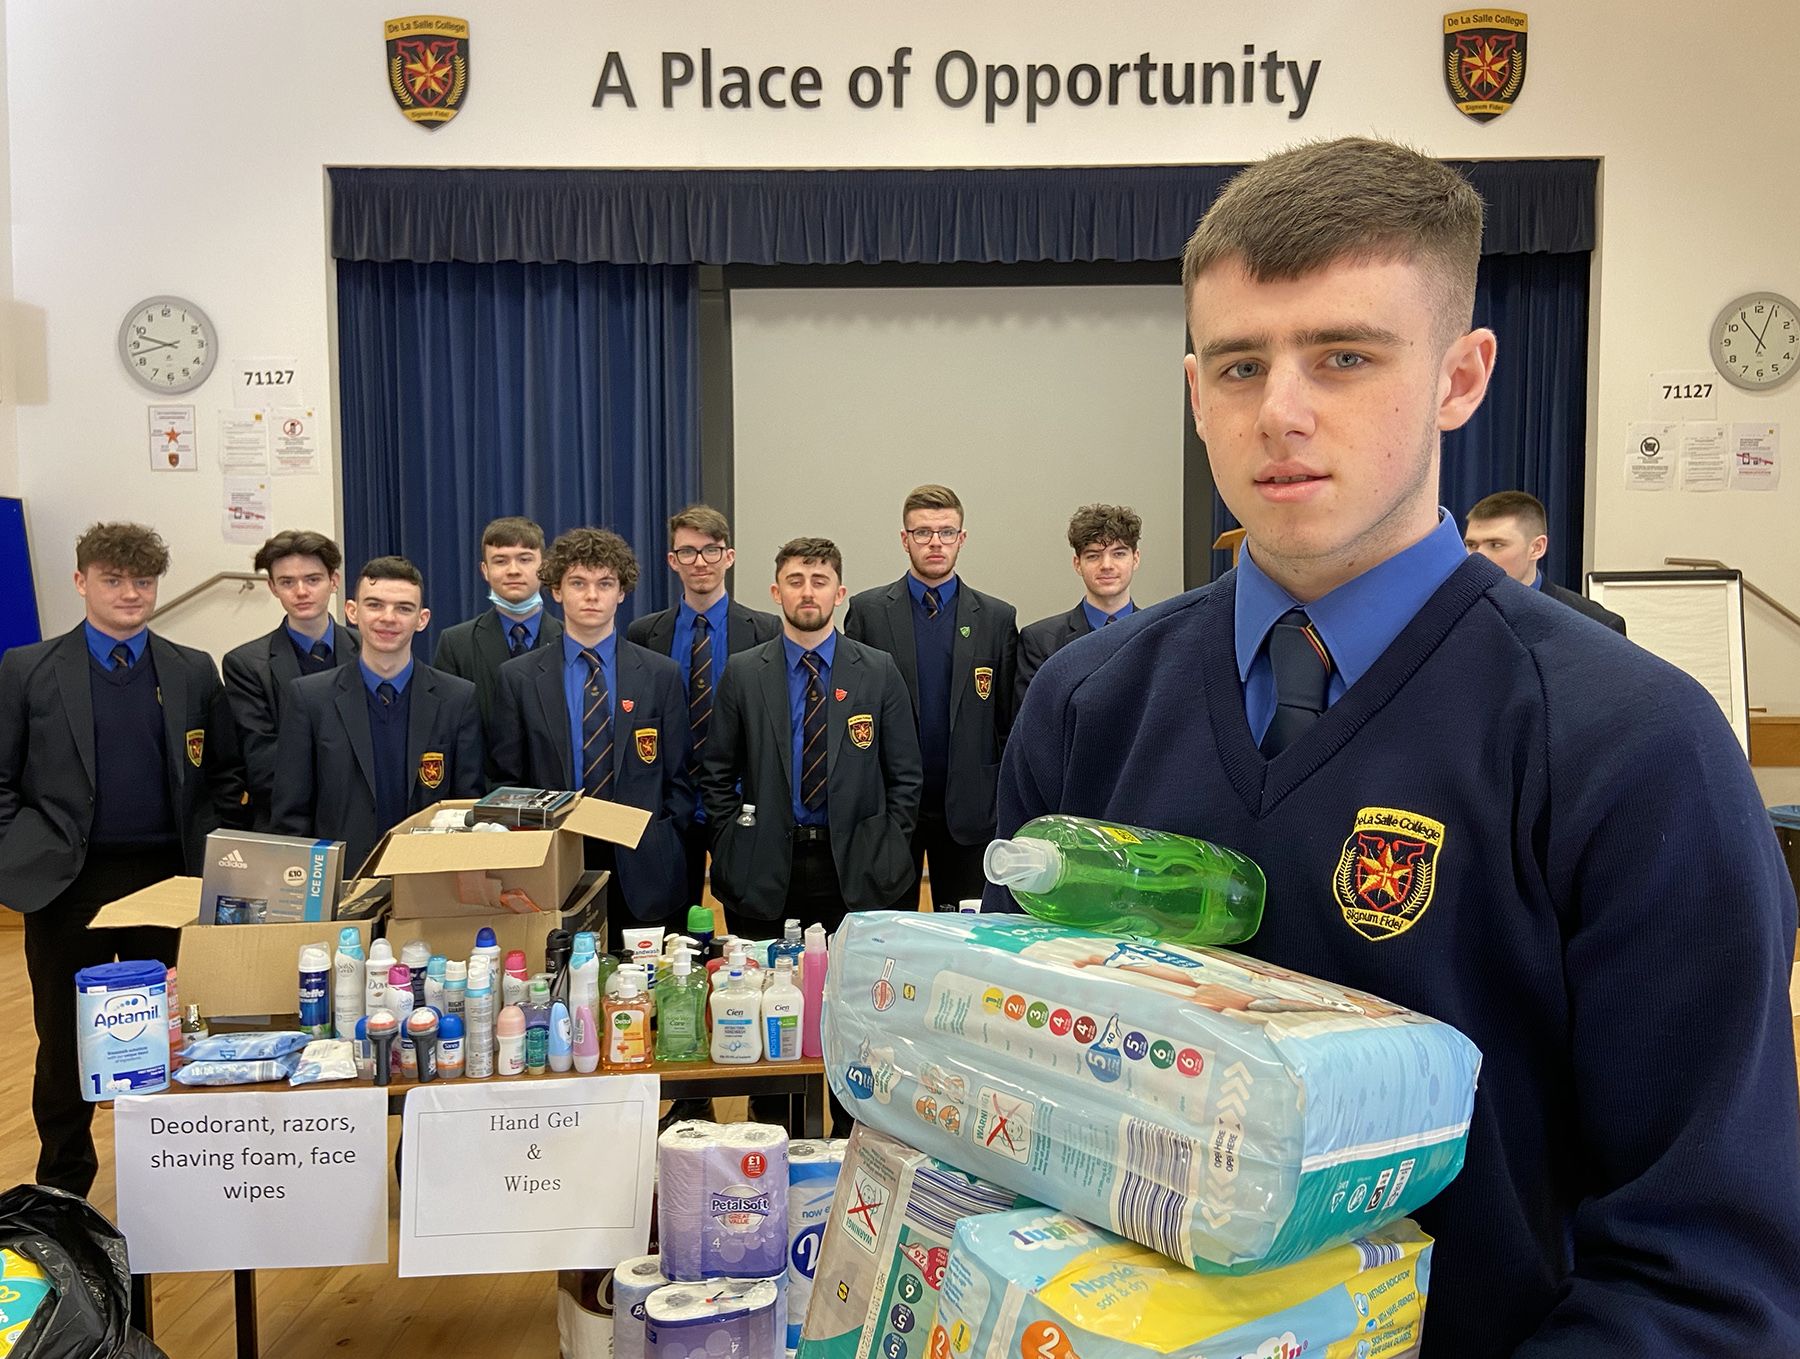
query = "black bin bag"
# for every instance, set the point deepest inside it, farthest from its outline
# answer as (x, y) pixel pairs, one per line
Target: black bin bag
(84, 1255)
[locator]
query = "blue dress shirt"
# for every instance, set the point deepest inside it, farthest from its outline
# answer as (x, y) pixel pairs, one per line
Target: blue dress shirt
(303, 644)
(100, 645)
(372, 680)
(1357, 621)
(1097, 619)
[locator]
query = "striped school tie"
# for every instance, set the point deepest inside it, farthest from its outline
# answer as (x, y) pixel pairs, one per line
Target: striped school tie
(812, 736)
(700, 690)
(596, 729)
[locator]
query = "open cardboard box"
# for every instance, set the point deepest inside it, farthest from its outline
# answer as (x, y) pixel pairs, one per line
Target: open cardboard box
(232, 969)
(463, 874)
(454, 935)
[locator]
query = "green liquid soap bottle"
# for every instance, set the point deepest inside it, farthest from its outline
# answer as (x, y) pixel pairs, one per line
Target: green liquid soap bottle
(681, 1012)
(1098, 875)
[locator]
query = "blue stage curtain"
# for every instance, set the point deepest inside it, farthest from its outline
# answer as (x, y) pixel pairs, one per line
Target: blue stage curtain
(564, 392)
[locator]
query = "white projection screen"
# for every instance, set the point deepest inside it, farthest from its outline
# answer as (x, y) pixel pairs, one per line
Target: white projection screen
(1027, 401)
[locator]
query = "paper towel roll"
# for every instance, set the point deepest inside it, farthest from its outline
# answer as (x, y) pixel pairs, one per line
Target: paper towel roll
(722, 1200)
(716, 1320)
(812, 1180)
(633, 1282)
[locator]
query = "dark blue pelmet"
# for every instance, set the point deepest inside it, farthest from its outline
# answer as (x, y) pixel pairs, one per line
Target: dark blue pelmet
(564, 392)
(1531, 432)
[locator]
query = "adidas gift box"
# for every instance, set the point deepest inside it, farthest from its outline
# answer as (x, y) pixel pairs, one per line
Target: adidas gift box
(256, 879)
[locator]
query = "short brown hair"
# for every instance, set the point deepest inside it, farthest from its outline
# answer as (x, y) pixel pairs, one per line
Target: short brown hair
(931, 497)
(512, 531)
(597, 548)
(133, 549)
(704, 520)
(1102, 526)
(298, 543)
(391, 568)
(1352, 199)
(810, 551)
(1526, 508)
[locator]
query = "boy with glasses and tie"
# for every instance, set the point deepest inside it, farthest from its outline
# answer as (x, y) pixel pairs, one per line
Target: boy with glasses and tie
(604, 715)
(958, 651)
(704, 629)
(118, 756)
(1467, 799)
(303, 573)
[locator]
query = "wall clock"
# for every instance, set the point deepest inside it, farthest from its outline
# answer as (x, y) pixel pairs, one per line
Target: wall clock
(167, 344)
(1756, 341)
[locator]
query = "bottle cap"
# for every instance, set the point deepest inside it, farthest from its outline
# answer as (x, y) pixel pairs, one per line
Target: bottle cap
(700, 920)
(815, 934)
(437, 967)
(479, 979)
(400, 975)
(1028, 865)
(313, 958)
(349, 939)
(484, 938)
(515, 960)
(628, 987)
(511, 1023)
(539, 991)
(422, 1020)
(455, 969)
(416, 953)
(383, 1023)
(450, 1028)
(684, 961)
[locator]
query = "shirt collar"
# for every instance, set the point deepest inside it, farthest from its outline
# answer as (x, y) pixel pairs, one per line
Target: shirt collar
(714, 613)
(532, 622)
(304, 644)
(372, 680)
(1360, 619)
(608, 647)
(1537, 582)
(100, 644)
(827, 649)
(1097, 617)
(946, 591)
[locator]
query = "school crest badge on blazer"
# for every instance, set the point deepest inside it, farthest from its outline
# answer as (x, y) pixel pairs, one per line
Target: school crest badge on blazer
(862, 731)
(196, 746)
(431, 768)
(984, 682)
(428, 66)
(1387, 871)
(644, 738)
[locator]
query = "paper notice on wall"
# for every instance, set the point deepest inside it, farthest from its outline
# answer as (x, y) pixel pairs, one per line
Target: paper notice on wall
(1650, 455)
(1685, 394)
(249, 512)
(294, 440)
(265, 381)
(172, 439)
(267, 1179)
(1755, 457)
(502, 1178)
(243, 441)
(1704, 462)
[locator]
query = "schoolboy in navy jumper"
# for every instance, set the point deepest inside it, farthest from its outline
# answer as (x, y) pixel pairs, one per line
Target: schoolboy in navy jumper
(363, 747)
(118, 756)
(1467, 798)
(609, 717)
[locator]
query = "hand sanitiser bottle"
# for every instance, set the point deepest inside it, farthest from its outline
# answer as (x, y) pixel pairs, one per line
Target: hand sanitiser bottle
(681, 1013)
(782, 1005)
(737, 1019)
(1098, 875)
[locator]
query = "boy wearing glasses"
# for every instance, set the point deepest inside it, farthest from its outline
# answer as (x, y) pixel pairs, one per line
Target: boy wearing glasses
(699, 634)
(958, 650)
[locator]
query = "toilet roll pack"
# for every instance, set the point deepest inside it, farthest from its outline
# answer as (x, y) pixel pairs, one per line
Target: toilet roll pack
(722, 1200)
(1224, 1112)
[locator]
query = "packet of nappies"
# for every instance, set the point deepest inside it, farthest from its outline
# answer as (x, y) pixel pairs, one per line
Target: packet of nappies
(244, 1047)
(238, 1073)
(886, 1243)
(1017, 1279)
(25, 1289)
(325, 1059)
(1219, 1110)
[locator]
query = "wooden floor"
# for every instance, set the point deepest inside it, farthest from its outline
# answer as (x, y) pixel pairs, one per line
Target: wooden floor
(303, 1312)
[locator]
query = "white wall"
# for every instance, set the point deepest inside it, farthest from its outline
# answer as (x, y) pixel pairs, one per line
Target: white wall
(206, 178)
(926, 384)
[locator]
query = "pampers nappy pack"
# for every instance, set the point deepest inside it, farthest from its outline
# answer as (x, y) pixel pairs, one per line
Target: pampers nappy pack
(1219, 1110)
(1036, 1282)
(886, 1244)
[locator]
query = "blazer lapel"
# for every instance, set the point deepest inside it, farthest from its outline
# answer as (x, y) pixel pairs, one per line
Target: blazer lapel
(284, 665)
(549, 634)
(171, 692)
(775, 701)
(905, 650)
(740, 632)
(491, 645)
(662, 631)
(630, 685)
(348, 647)
(75, 682)
(553, 710)
(421, 722)
(847, 675)
(353, 708)
(962, 645)
(1078, 623)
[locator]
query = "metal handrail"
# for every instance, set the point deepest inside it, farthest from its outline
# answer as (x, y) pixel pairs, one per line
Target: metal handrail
(1708, 564)
(248, 579)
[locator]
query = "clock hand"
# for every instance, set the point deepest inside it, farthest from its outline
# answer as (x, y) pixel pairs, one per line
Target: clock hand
(1752, 329)
(159, 344)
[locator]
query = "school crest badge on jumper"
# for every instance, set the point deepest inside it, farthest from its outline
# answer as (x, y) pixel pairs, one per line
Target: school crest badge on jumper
(196, 746)
(1387, 871)
(984, 682)
(1484, 60)
(428, 66)
(431, 768)
(862, 731)
(645, 740)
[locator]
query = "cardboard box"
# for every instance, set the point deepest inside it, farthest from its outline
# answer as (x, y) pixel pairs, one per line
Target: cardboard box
(254, 879)
(464, 874)
(454, 935)
(228, 969)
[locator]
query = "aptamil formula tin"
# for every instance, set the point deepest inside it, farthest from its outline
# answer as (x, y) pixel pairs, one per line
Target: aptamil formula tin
(122, 1029)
